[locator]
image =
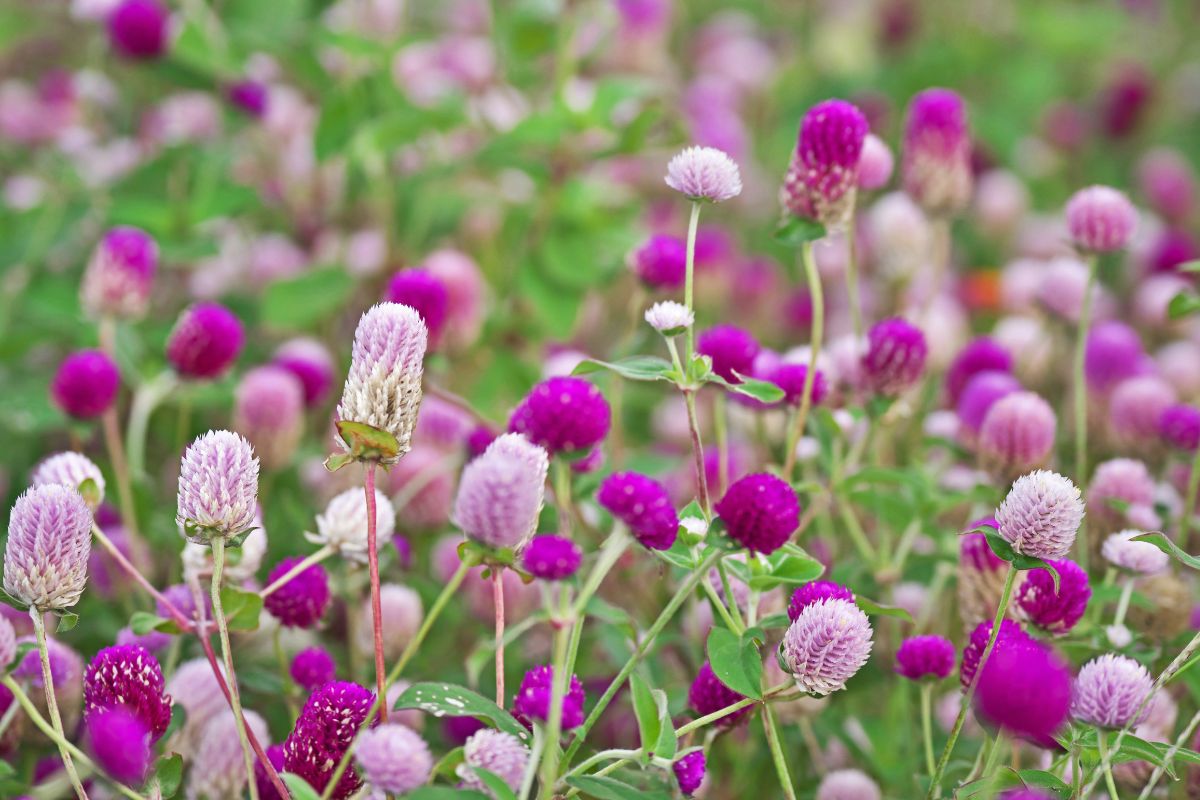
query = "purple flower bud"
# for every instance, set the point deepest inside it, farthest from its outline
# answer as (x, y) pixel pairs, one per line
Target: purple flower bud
(704, 173)
(551, 558)
(811, 592)
(1141, 558)
(139, 29)
(1179, 426)
(661, 263)
(1041, 515)
(1100, 219)
(497, 752)
(1040, 604)
(120, 742)
(895, 357)
(689, 772)
(1136, 406)
(847, 784)
(269, 412)
(1112, 353)
(393, 759)
(250, 96)
(708, 694)
(86, 384)
(644, 505)
(980, 355)
(1018, 432)
(205, 342)
(501, 492)
(1109, 690)
(312, 668)
(421, 290)
(790, 378)
(1010, 635)
(120, 275)
(937, 152)
(823, 175)
(532, 700)
(128, 676)
(301, 602)
(827, 645)
(311, 363)
(218, 487)
(982, 392)
(72, 470)
(925, 657)
(324, 731)
(563, 415)
(1026, 690)
(731, 349)
(875, 165)
(760, 512)
(343, 524)
(46, 554)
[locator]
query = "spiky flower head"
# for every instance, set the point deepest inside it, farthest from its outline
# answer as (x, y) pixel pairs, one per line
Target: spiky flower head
(120, 742)
(1100, 219)
(312, 364)
(731, 349)
(269, 411)
(563, 414)
(936, 163)
(925, 657)
(847, 784)
(424, 292)
(139, 29)
(393, 758)
(218, 768)
(1041, 515)
(760, 512)
(1109, 690)
(1179, 426)
(1141, 558)
(689, 772)
(704, 173)
(302, 601)
(128, 676)
(532, 700)
(218, 487)
(205, 342)
(983, 354)
(312, 668)
(498, 752)
(1011, 635)
(49, 542)
(551, 558)
(343, 524)
(1025, 689)
(1017, 433)
(383, 387)
(1055, 611)
(402, 614)
(72, 470)
(895, 357)
(86, 384)
(644, 505)
(826, 645)
(670, 318)
(661, 263)
(501, 492)
(324, 732)
(823, 175)
(120, 275)
(814, 591)
(708, 694)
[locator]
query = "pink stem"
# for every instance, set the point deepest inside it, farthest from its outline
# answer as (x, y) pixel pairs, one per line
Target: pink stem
(376, 604)
(498, 602)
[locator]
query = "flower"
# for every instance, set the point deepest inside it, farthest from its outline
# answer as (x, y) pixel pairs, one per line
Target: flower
(195, 689)
(563, 415)
(661, 262)
(875, 164)
(847, 784)
(670, 318)
(8, 642)
(1136, 406)
(218, 768)
(205, 341)
(1168, 183)
(343, 524)
(823, 175)
(1179, 426)
(1124, 482)
(760, 512)
(128, 676)
(402, 613)
(1100, 219)
(983, 391)
(983, 354)
(1010, 635)
(689, 771)
(1041, 515)
(791, 377)
(120, 274)
(393, 758)
(250, 96)
(1018, 432)
(218, 487)
(532, 700)
(813, 591)
(704, 173)
(829, 641)
(269, 412)
(731, 349)
(139, 29)
(708, 694)
(1056, 611)
(421, 290)
(312, 364)
(86, 384)
(551, 558)
(465, 294)
(1142, 558)
(1112, 353)
(312, 668)
(301, 602)
(120, 743)
(496, 751)
(1025, 689)
(1109, 692)
(936, 162)
(46, 553)
(500, 493)
(72, 470)
(895, 357)
(925, 656)
(644, 505)
(324, 731)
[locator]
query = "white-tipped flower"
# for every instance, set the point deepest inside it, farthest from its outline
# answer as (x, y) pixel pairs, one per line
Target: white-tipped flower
(198, 562)
(704, 173)
(72, 470)
(1109, 691)
(497, 752)
(828, 643)
(49, 542)
(501, 492)
(218, 768)
(343, 524)
(218, 487)
(670, 318)
(402, 614)
(1120, 550)
(393, 759)
(1041, 515)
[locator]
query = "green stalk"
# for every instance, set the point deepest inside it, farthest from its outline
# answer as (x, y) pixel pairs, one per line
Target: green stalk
(308, 561)
(927, 724)
(610, 554)
(690, 279)
(235, 700)
(1106, 763)
(771, 729)
(39, 630)
(558, 690)
(815, 333)
(1080, 397)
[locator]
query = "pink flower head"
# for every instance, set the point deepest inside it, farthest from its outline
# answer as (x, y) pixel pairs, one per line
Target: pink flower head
(269, 412)
(551, 558)
(1025, 689)
(205, 341)
(1136, 406)
(983, 354)
(86, 384)
(501, 492)
(1118, 481)
(826, 645)
(324, 732)
(311, 363)
(129, 677)
(1113, 352)
(760, 512)
(72, 470)
(925, 657)
(847, 784)
(790, 378)
(895, 357)
(982, 392)
(46, 553)
(251, 96)
(823, 175)
(563, 415)
(1055, 611)
(465, 294)
(120, 742)
(1141, 558)
(301, 602)
(139, 29)
(708, 694)
(644, 505)
(731, 349)
(1109, 690)
(1010, 635)
(393, 758)
(312, 668)
(811, 592)
(875, 165)
(1100, 219)
(1018, 432)
(1168, 183)
(218, 487)
(423, 291)
(937, 152)
(689, 772)
(1041, 515)
(496, 751)
(1179, 426)
(704, 173)
(661, 262)
(532, 700)
(120, 274)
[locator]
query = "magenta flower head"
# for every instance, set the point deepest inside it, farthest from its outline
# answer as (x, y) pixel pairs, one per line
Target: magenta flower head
(120, 275)
(501, 492)
(421, 290)
(760, 512)
(218, 487)
(895, 357)
(383, 387)
(731, 349)
(1055, 612)
(1025, 689)
(301, 602)
(875, 165)
(1011, 635)
(324, 732)
(982, 392)
(790, 378)
(250, 96)
(936, 161)
(139, 29)
(551, 558)
(128, 676)
(704, 173)
(266, 789)
(1179, 427)
(120, 742)
(1100, 219)
(46, 553)
(644, 505)
(813, 591)
(980, 355)
(826, 645)
(1041, 515)
(86, 384)
(269, 411)
(660, 263)
(708, 694)
(312, 668)
(1109, 690)
(1140, 558)
(532, 700)
(496, 751)
(1113, 352)
(922, 657)
(311, 363)
(205, 342)
(847, 784)
(72, 470)
(563, 415)
(1136, 406)
(392, 758)
(823, 175)
(1017, 433)
(689, 772)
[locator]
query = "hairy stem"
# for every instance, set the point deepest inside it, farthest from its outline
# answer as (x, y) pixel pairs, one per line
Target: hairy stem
(376, 603)
(235, 701)
(39, 630)
(689, 279)
(498, 605)
(816, 332)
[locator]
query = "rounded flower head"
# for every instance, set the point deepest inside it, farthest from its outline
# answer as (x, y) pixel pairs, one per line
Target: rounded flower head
(644, 505)
(791, 377)
(1118, 481)
(421, 290)
(301, 602)
(1141, 558)
(49, 541)
(708, 694)
(311, 363)
(324, 732)
(532, 700)
(1041, 515)
(1018, 432)
(925, 657)
(250, 96)
(72, 470)
(383, 387)
(1038, 603)
(1109, 690)
(1010, 635)
(86, 384)
(847, 784)
(312, 668)
(563, 415)
(128, 676)
(731, 349)
(218, 487)
(1100, 219)
(501, 492)
(704, 173)
(895, 357)
(689, 772)
(1136, 407)
(402, 615)
(1179, 426)
(980, 355)
(1025, 689)
(393, 758)
(120, 275)
(823, 175)
(829, 641)
(661, 263)
(551, 558)
(343, 524)
(669, 318)
(120, 742)
(205, 342)
(981, 392)
(269, 412)
(1112, 353)
(936, 161)
(496, 751)
(760, 512)
(218, 768)
(876, 164)
(811, 592)
(139, 29)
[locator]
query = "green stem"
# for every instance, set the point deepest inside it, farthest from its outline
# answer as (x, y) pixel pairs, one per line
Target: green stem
(315, 558)
(39, 630)
(771, 729)
(562, 493)
(148, 396)
(730, 603)
(535, 755)
(1123, 603)
(1189, 506)
(1080, 397)
(718, 606)
(721, 433)
(1168, 757)
(120, 465)
(610, 554)
(815, 333)
(690, 279)
(689, 397)
(927, 724)
(558, 690)
(235, 700)
(993, 757)
(1106, 763)
(857, 535)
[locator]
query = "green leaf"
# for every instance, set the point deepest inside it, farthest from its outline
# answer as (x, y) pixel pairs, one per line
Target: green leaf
(143, 622)
(874, 609)
(66, 621)
(168, 773)
(762, 391)
(1160, 541)
(178, 720)
(495, 784)
(9, 600)
(443, 699)
(1046, 781)
(305, 300)
(299, 788)
(635, 368)
(1023, 562)
(735, 662)
(786, 567)
(242, 608)
(1182, 305)
(999, 544)
(366, 443)
(655, 727)
(798, 230)
(608, 788)
(780, 620)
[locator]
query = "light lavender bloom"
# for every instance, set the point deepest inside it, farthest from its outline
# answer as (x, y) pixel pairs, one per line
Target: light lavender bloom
(343, 524)
(1109, 690)
(393, 759)
(218, 767)
(848, 784)
(402, 614)
(49, 542)
(497, 752)
(829, 641)
(71, 469)
(704, 173)
(218, 487)
(1041, 515)
(669, 318)
(1120, 550)
(501, 492)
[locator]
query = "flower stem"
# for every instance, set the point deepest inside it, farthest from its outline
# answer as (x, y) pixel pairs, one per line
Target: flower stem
(535, 756)
(376, 603)
(562, 494)
(721, 433)
(610, 554)
(689, 279)
(315, 558)
(498, 605)
(39, 630)
(816, 332)
(927, 724)
(1189, 507)
(689, 397)
(1123, 602)
(1106, 763)
(771, 729)
(1080, 398)
(145, 400)
(1181, 742)
(120, 465)
(558, 690)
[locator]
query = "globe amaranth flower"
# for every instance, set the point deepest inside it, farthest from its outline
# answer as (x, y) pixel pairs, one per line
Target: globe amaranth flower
(826, 645)
(139, 29)
(8, 642)
(1136, 406)
(925, 657)
(86, 384)
(218, 768)
(500, 493)
(1141, 558)
(343, 524)
(1025, 689)
(661, 262)
(1109, 691)
(312, 668)
(1168, 183)
(392, 758)
(936, 159)
(302, 601)
(847, 784)
(1100, 219)
(875, 164)
(72, 470)
(689, 772)
(250, 96)
(731, 349)
(983, 354)
(1018, 432)
(790, 377)
(532, 700)
(813, 591)
(120, 274)
(822, 177)
(760, 512)
(402, 616)
(895, 357)
(1041, 515)
(421, 290)
(269, 411)
(46, 553)
(120, 742)
(324, 732)
(551, 558)
(383, 387)
(1117, 484)
(1056, 611)
(218, 487)
(670, 318)
(1112, 353)
(704, 173)
(1179, 426)
(563, 415)
(708, 694)
(1010, 635)
(644, 505)
(498, 752)
(205, 342)
(312, 364)
(128, 676)
(982, 391)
